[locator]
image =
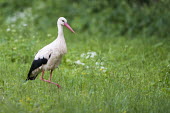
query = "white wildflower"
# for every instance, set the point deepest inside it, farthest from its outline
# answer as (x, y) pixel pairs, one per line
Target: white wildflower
(88, 55)
(103, 69)
(97, 63)
(8, 29)
(25, 25)
(91, 55)
(79, 62)
(87, 67)
(83, 55)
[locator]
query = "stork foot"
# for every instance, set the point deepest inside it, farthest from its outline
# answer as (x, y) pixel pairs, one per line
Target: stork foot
(55, 84)
(50, 82)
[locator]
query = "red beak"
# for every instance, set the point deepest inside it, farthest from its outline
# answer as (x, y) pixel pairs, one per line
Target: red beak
(68, 26)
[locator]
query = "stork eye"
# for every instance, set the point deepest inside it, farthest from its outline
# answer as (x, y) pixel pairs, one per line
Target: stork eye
(62, 20)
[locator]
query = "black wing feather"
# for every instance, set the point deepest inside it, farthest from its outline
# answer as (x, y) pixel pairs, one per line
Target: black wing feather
(36, 64)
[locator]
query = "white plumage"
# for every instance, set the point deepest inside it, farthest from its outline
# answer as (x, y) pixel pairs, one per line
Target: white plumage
(49, 57)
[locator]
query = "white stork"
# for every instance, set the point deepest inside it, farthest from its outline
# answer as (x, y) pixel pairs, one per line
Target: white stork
(49, 57)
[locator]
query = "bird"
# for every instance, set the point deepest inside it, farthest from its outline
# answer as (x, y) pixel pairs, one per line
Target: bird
(49, 57)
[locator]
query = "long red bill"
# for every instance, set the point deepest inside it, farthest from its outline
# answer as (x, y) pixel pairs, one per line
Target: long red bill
(68, 26)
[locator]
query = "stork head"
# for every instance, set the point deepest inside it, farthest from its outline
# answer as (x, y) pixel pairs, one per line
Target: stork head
(62, 21)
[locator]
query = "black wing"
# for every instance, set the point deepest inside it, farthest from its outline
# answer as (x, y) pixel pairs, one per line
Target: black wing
(36, 64)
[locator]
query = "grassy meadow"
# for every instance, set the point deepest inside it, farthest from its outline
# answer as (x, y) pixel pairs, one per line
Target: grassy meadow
(99, 73)
(118, 60)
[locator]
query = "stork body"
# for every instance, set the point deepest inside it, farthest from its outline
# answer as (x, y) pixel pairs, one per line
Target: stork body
(49, 57)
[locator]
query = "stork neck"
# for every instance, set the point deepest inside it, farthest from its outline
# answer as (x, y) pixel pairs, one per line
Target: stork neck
(60, 31)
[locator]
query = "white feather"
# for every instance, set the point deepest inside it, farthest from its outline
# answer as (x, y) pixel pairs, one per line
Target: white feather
(53, 52)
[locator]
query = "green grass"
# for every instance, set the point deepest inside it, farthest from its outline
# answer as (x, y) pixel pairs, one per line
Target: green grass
(135, 78)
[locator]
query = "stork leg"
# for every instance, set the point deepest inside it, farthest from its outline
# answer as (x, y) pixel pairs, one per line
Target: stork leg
(51, 74)
(41, 77)
(49, 81)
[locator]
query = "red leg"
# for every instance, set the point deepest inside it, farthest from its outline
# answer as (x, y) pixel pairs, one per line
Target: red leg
(51, 74)
(49, 81)
(41, 77)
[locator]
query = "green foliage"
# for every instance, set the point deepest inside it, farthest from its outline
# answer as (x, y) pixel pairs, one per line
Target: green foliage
(140, 17)
(123, 18)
